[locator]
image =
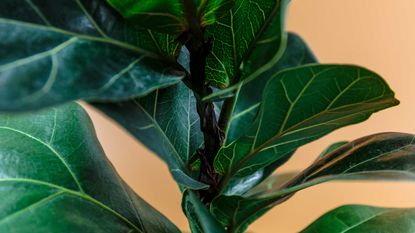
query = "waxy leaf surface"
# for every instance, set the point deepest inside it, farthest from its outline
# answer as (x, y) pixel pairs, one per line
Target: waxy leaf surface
(249, 92)
(301, 105)
(200, 219)
(247, 103)
(171, 16)
(54, 177)
(83, 50)
(167, 123)
(357, 219)
(241, 41)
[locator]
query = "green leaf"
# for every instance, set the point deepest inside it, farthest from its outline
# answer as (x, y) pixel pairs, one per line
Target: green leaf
(167, 123)
(83, 50)
(301, 105)
(246, 107)
(249, 93)
(158, 15)
(173, 16)
(236, 213)
(241, 41)
(54, 177)
(200, 219)
(380, 156)
(357, 219)
(212, 10)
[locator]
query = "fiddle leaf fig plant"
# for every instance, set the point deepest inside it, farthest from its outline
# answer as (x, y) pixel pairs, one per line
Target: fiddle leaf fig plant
(217, 89)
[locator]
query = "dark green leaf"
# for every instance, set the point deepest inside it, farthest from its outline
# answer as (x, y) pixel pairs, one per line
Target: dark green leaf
(248, 25)
(358, 219)
(54, 177)
(301, 105)
(380, 156)
(246, 107)
(166, 122)
(200, 219)
(82, 50)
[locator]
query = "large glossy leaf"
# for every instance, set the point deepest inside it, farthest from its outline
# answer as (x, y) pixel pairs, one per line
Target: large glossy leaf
(82, 50)
(54, 177)
(301, 105)
(171, 16)
(380, 156)
(249, 93)
(200, 219)
(246, 106)
(166, 122)
(358, 219)
(241, 41)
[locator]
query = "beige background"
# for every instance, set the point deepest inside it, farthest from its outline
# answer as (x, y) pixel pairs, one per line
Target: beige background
(378, 34)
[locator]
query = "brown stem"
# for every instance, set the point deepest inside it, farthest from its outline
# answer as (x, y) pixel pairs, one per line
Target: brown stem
(213, 135)
(226, 112)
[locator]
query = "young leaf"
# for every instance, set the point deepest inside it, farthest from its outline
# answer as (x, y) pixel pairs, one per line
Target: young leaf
(84, 50)
(356, 219)
(54, 177)
(171, 16)
(158, 15)
(212, 10)
(301, 105)
(200, 219)
(166, 122)
(380, 156)
(248, 25)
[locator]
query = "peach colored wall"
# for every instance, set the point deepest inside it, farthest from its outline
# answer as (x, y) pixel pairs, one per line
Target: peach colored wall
(378, 34)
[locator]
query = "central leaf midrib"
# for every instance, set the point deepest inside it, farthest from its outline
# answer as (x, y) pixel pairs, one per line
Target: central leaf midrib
(158, 128)
(366, 220)
(339, 159)
(259, 34)
(107, 40)
(38, 56)
(270, 141)
(31, 206)
(56, 153)
(290, 130)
